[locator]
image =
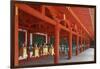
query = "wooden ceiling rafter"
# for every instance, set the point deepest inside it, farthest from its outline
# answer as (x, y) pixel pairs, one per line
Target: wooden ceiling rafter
(36, 14)
(79, 22)
(52, 13)
(55, 18)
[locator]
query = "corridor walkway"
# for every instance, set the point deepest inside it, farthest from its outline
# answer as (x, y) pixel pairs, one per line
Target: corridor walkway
(87, 55)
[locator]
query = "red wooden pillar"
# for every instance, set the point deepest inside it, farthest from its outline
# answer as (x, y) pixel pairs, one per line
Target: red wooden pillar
(88, 46)
(77, 45)
(56, 44)
(81, 44)
(48, 39)
(70, 45)
(84, 44)
(28, 44)
(16, 51)
(89, 43)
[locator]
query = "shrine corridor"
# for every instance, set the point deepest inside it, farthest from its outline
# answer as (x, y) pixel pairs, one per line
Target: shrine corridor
(50, 34)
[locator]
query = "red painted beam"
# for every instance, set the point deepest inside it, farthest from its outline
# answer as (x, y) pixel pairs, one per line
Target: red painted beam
(54, 14)
(43, 9)
(35, 13)
(51, 11)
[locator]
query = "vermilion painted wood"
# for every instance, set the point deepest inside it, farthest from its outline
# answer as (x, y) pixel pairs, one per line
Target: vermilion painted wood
(77, 45)
(84, 15)
(43, 10)
(16, 51)
(56, 44)
(70, 45)
(78, 21)
(33, 12)
(53, 26)
(70, 23)
(28, 44)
